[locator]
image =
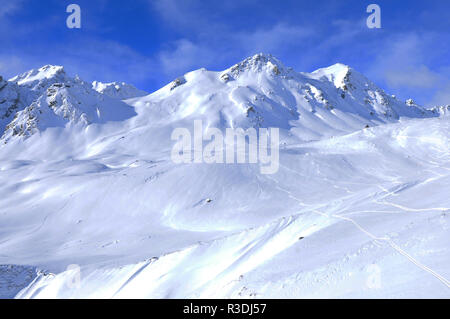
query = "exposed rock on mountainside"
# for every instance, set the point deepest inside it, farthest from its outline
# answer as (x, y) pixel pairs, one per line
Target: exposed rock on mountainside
(9, 102)
(48, 97)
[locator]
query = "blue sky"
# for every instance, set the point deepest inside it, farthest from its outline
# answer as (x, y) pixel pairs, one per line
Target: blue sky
(149, 42)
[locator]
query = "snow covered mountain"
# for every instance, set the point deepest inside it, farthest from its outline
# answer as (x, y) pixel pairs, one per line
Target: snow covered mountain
(257, 92)
(358, 208)
(261, 92)
(50, 98)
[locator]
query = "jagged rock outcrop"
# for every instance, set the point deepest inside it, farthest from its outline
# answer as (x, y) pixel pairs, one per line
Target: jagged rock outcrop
(55, 99)
(9, 102)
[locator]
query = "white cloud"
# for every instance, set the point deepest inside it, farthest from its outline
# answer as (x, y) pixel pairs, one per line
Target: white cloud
(183, 57)
(404, 64)
(275, 39)
(197, 15)
(105, 61)
(411, 76)
(402, 53)
(442, 96)
(11, 65)
(92, 59)
(206, 37)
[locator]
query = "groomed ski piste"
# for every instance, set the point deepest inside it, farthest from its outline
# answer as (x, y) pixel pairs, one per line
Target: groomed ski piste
(92, 205)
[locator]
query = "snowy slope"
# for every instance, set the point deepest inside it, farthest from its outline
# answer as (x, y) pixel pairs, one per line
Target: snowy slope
(352, 211)
(118, 90)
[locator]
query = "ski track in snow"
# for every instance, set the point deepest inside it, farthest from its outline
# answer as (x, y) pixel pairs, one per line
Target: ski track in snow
(392, 244)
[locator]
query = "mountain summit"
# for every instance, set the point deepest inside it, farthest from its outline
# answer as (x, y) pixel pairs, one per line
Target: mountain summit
(48, 97)
(39, 79)
(118, 90)
(258, 63)
(261, 92)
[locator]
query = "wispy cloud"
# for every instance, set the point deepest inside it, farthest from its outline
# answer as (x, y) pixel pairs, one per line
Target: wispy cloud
(407, 59)
(185, 54)
(417, 76)
(106, 60)
(441, 97)
(8, 7)
(10, 64)
(403, 63)
(91, 59)
(277, 38)
(208, 37)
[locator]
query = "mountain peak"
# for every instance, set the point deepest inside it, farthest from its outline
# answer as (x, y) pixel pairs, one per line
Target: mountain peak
(34, 77)
(258, 63)
(118, 90)
(49, 68)
(336, 68)
(342, 76)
